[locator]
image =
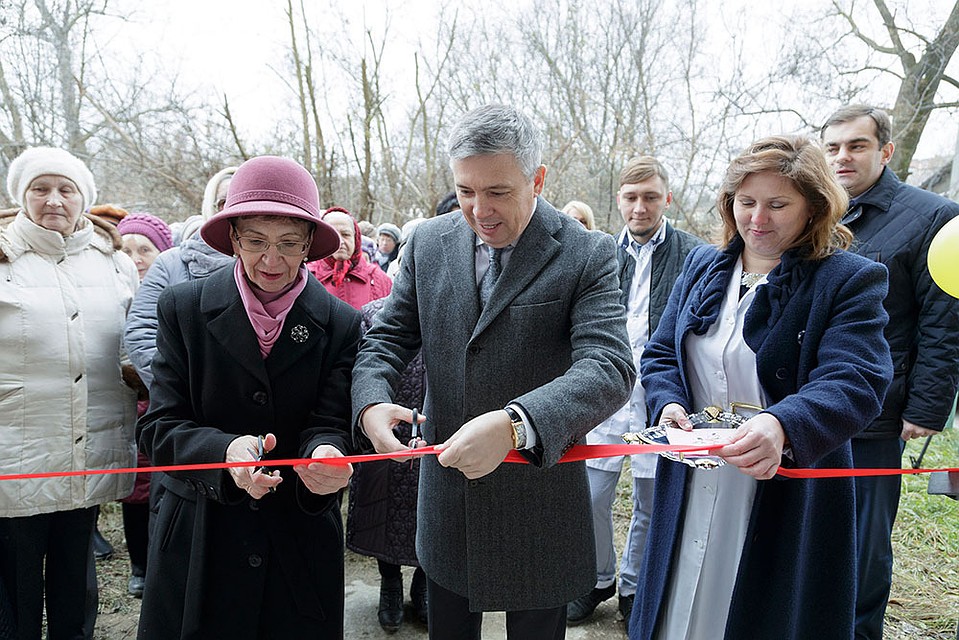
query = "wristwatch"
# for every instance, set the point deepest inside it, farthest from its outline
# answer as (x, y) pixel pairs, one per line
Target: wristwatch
(519, 428)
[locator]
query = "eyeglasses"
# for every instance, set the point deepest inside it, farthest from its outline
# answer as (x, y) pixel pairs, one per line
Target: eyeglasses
(256, 245)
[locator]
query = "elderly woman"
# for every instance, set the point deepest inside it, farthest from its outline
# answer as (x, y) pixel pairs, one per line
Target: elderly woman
(252, 362)
(65, 287)
(144, 238)
(581, 212)
(388, 237)
(347, 274)
(781, 318)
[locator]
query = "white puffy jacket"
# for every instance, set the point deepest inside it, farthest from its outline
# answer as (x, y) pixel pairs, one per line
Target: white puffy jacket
(63, 404)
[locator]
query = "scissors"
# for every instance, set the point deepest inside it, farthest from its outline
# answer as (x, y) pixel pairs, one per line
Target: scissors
(258, 455)
(415, 439)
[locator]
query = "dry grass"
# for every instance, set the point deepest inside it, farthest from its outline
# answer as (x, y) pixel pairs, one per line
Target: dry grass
(925, 591)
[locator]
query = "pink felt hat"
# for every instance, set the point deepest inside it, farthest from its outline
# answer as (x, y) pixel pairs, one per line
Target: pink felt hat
(271, 186)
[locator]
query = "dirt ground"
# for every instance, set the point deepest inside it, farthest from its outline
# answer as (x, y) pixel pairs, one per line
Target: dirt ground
(119, 611)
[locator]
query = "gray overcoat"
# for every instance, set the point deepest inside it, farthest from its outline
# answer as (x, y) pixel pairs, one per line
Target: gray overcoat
(552, 339)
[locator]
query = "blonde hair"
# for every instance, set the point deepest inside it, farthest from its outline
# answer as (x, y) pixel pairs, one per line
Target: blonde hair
(582, 209)
(802, 161)
(641, 168)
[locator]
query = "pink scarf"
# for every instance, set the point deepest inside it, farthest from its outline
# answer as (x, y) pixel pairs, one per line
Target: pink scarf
(267, 311)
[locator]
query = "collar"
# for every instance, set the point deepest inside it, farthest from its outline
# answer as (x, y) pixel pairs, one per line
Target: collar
(880, 194)
(23, 235)
(626, 241)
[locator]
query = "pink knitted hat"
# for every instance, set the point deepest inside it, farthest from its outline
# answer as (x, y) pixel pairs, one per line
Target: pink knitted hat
(146, 225)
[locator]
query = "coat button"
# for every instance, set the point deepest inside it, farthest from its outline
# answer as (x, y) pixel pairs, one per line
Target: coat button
(255, 560)
(260, 398)
(254, 505)
(474, 349)
(781, 374)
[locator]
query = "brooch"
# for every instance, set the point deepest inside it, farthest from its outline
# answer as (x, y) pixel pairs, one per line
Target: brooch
(299, 333)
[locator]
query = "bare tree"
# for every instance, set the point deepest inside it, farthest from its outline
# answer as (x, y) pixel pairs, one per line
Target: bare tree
(921, 70)
(150, 146)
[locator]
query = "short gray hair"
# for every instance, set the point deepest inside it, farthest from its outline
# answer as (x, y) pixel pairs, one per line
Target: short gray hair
(496, 128)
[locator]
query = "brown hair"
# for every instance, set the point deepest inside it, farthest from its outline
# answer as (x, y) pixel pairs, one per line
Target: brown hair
(850, 112)
(641, 168)
(802, 161)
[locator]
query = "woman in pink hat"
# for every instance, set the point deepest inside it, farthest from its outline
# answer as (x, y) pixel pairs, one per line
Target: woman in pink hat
(144, 238)
(254, 362)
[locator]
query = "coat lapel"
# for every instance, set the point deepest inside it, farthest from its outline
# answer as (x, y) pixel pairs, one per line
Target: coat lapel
(303, 328)
(459, 249)
(535, 248)
(228, 323)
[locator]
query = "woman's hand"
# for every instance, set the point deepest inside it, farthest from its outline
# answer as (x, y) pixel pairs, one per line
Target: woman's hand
(674, 415)
(256, 483)
(757, 446)
(323, 479)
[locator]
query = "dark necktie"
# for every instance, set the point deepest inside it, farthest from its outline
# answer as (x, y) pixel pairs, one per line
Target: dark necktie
(492, 274)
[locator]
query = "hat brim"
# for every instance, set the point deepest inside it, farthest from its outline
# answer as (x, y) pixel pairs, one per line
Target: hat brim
(216, 231)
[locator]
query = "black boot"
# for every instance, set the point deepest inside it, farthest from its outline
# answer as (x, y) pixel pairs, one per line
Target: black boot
(580, 609)
(102, 549)
(419, 597)
(390, 613)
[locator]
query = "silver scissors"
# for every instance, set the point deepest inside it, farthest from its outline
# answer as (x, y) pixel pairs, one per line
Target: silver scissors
(415, 438)
(258, 455)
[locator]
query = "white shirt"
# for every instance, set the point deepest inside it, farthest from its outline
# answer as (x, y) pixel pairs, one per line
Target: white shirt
(631, 417)
(721, 369)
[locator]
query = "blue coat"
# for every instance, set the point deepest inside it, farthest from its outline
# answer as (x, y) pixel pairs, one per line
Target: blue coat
(894, 224)
(817, 331)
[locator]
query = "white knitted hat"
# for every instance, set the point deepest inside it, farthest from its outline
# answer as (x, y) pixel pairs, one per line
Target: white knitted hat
(43, 161)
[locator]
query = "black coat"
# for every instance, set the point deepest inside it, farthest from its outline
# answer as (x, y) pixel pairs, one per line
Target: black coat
(221, 562)
(894, 225)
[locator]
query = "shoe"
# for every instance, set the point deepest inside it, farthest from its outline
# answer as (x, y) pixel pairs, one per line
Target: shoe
(626, 609)
(135, 586)
(419, 597)
(102, 549)
(582, 608)
(390, 613)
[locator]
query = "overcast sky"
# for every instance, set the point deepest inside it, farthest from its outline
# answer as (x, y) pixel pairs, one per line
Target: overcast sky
(233, 46)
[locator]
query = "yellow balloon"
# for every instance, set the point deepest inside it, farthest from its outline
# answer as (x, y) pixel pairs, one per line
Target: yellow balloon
(943, 258)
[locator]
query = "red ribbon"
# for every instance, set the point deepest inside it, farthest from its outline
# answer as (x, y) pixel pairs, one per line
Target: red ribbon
(578, 452)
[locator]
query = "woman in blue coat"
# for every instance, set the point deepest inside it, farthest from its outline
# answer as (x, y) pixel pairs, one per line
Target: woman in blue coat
(252, 362)
(779, 317)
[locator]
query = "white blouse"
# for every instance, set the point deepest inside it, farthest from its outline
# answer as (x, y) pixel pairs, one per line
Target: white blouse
(722, 370)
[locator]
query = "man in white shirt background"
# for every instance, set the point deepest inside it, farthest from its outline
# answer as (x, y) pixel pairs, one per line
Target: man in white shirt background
(651, 253)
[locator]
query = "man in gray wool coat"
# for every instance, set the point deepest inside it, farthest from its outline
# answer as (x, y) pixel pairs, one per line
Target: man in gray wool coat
(516, 308)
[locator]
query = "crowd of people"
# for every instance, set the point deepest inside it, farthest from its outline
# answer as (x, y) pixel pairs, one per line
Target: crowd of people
(807, 334)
